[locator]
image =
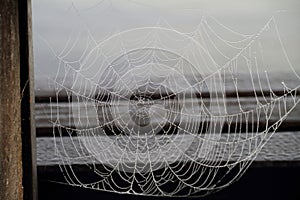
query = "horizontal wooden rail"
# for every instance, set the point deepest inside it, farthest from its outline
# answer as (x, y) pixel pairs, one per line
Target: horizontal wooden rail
(63, 97)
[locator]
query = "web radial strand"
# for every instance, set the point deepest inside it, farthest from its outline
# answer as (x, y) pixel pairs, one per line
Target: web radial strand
(154, 111)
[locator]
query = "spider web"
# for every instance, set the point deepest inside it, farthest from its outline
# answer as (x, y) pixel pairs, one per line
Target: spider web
(151, 108)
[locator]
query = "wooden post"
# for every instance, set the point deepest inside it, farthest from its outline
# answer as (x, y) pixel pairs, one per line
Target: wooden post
(10, 107)
(27, 105)
(17, 136)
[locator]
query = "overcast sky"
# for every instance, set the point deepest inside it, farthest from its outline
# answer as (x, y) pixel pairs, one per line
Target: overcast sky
(54, 21)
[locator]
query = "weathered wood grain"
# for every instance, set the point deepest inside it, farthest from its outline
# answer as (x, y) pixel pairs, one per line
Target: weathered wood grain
(10, 110)
(17, 137)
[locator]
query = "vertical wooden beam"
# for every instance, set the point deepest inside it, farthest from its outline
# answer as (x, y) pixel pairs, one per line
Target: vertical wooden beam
(17, 132)
(27, 105)
(10, 109)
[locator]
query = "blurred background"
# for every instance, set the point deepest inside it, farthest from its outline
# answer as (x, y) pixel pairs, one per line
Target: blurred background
(65, 30)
